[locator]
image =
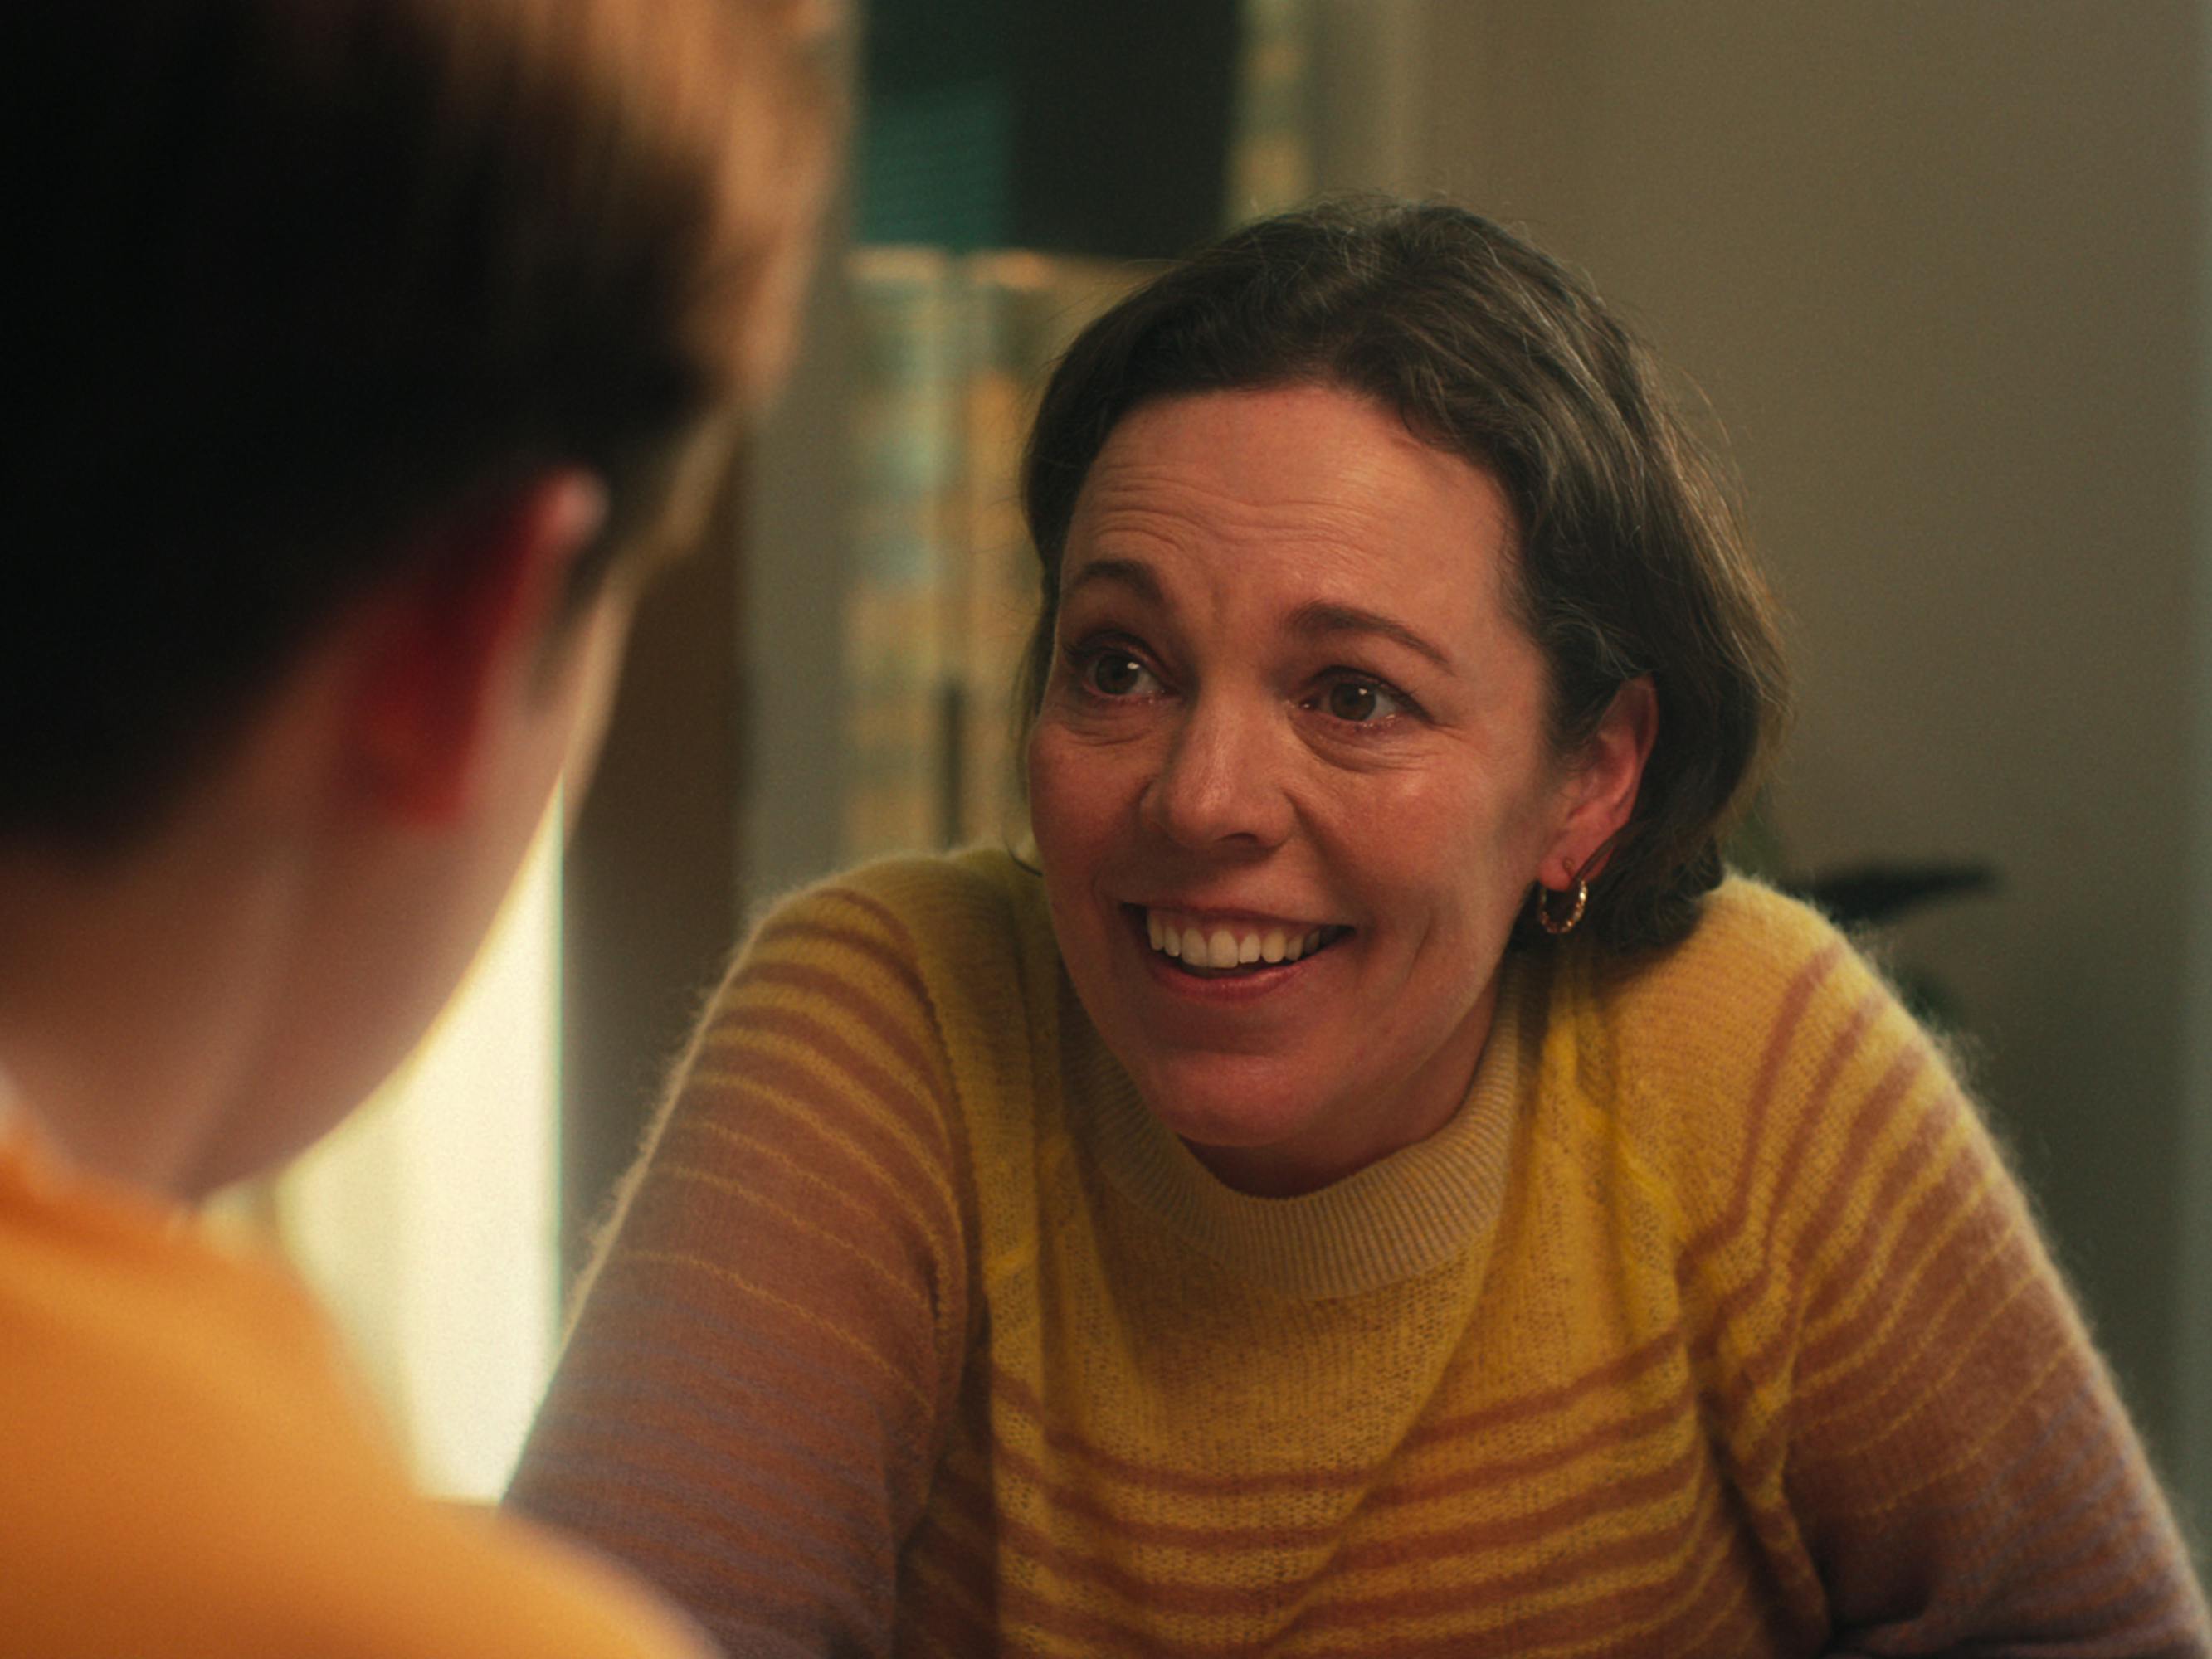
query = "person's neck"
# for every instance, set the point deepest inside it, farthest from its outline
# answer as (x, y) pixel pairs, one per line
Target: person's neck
(132, 991)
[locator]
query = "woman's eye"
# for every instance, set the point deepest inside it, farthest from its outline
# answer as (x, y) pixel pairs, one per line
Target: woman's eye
(1114, 674)
(1359, 702)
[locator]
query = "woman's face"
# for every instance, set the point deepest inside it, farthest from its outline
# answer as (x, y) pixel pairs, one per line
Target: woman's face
(1292, 718)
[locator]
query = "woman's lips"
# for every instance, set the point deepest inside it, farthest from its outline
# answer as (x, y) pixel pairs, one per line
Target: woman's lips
(1218, 943)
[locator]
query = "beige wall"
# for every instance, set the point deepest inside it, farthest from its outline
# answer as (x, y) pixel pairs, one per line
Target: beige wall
(1940, 266)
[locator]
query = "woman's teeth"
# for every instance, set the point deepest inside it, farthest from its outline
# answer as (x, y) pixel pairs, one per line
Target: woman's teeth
(1232, 947)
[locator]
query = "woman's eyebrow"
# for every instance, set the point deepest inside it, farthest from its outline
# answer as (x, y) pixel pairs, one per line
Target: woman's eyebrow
(1320, 618)
(1132, 573)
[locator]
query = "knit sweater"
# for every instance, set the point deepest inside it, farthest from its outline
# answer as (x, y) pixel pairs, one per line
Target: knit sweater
(1710, 1324)
(188, 1470)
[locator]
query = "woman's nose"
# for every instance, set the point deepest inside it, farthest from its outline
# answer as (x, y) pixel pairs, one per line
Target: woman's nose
(1221, 781)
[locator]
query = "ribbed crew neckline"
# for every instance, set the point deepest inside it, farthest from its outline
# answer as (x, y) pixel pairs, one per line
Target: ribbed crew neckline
(1391, 1221)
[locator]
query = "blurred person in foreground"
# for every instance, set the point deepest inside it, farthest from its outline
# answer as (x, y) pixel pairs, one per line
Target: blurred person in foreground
(369, 353)
(1375, 1184)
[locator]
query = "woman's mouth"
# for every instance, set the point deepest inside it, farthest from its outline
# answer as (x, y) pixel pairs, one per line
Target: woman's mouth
(1208, 947)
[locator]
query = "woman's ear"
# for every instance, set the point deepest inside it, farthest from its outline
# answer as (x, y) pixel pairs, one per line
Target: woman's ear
(461, 633)
(1601, 789)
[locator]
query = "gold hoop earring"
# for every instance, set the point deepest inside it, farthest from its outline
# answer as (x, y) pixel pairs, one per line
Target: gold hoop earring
(1565, 924)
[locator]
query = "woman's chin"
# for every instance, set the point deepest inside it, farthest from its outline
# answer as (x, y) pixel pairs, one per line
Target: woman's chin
(1236, 1114)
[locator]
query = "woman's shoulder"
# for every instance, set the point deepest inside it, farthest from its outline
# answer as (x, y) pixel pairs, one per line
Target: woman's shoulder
(953, 930)
(1744, 927)
(1764, 1029)
(972, 900)
(1755, 957)
(913, 978)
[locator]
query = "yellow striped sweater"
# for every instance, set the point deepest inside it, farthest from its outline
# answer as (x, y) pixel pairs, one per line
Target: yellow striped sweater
(1712, 1324)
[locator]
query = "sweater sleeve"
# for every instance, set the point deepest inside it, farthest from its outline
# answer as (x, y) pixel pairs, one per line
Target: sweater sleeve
(757, 1386)
(1951, 1450)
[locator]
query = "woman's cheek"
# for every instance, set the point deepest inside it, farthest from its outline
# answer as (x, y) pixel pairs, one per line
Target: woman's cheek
(1055, 774)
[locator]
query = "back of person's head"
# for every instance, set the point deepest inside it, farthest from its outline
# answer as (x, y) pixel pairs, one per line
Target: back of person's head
(295, 277)
(1629, 558)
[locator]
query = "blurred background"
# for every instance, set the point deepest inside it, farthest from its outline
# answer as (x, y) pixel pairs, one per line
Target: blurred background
(1940, 268)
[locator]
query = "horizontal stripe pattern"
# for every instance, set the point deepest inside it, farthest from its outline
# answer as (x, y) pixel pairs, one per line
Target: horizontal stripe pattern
(1760, 1355)
(746, 1407)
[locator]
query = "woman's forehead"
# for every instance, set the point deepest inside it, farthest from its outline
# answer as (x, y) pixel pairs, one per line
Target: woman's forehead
(1288, 452)
(1290, 487)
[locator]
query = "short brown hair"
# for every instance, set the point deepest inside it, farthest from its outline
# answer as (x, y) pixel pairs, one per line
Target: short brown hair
(300, 274)
(1631, 557)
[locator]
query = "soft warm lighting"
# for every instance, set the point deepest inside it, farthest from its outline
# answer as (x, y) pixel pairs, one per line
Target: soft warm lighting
(429, 1223)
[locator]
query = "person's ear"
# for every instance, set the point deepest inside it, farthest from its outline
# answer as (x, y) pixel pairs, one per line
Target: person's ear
(461, 634)
(1601, 789)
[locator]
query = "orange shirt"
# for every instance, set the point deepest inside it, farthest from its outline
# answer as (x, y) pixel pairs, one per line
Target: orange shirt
(190, 1469)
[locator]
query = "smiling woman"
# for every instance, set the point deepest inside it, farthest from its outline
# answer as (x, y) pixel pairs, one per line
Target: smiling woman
(1373, 1186)
(1284, 622)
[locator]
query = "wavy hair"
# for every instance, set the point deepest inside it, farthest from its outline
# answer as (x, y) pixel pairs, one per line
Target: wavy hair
(1629, 556)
